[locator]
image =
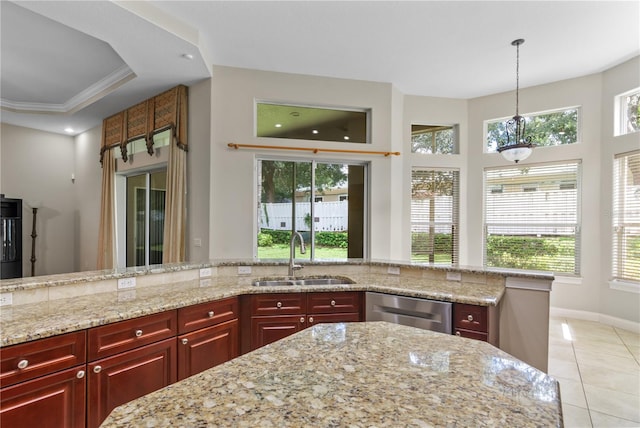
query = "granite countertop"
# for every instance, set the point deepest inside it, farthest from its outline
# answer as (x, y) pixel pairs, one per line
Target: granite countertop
(22, 323)
(357, 375)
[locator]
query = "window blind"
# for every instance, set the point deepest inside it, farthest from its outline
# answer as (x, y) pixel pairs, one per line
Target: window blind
(626, 217)
(434, 215)
(532, 218)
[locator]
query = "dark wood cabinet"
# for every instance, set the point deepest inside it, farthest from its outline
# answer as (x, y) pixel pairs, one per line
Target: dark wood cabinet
(126, 376)
(272, 317)
(476, 322)
(208, 335)
(44, 377)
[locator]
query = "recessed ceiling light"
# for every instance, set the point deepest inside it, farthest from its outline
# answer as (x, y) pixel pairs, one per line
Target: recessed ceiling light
(278, 125)
(187, 56)
(68, 129)
(346, 137)
(314, 131)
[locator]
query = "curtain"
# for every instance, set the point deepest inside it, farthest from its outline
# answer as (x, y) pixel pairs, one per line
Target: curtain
(175, 216)
(106, 234)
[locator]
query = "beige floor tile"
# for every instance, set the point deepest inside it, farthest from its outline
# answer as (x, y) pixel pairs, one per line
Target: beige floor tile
(607, 361)
(575, 417)
(599, 336)
(619, 404)
(563, 369)
(623, 381)
(602, 348)
(562, 352)
(600, 420)
(629, 337)
(571, 392)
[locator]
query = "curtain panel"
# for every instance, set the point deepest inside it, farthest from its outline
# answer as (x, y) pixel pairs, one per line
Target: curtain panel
(168, 110)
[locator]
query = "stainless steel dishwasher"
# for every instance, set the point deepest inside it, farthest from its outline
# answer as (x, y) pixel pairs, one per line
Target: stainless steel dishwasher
(421, 313)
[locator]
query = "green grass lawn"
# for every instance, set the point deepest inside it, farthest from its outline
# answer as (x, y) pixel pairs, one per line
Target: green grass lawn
(281, 251)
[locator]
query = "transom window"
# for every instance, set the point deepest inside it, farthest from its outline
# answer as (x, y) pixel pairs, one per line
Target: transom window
(434, 139)
(628, 112)
(547, 129)
(626, 217)
(532, 222)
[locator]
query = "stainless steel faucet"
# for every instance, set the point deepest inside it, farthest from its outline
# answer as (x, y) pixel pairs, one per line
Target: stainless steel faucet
(292, 247)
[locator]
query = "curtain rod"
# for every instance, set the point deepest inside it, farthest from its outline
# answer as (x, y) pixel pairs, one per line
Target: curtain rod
(311, 149)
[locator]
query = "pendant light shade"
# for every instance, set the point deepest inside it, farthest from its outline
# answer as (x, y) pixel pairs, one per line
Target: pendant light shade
(518, 145)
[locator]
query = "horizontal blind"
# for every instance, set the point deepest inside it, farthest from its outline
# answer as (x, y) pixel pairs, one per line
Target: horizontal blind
(532, 218)
(434, 215)
(626, 217)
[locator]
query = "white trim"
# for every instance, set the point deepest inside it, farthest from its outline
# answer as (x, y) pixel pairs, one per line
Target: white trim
(596, 317)
(567, 280)
(528, 284)
(621, 285)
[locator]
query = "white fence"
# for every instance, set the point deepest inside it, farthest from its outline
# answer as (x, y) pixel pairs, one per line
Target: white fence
(328, 216)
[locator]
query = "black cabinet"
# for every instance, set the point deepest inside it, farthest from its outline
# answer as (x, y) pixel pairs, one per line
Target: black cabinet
(11, 237)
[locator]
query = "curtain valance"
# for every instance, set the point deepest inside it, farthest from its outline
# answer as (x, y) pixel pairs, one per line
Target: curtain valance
(167, 110)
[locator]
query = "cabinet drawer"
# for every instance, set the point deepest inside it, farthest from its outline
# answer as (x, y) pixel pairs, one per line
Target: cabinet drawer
(472, 335)
(32, 359)
(332, 318)
(207, 314)
(279, 304)
(334, 302)
(470, 317)
(125, 335)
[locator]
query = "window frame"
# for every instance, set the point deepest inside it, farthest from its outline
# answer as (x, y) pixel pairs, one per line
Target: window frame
(620, 113)
(455, 130)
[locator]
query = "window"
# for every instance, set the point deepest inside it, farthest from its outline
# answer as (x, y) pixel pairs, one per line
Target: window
(332, 227)
(312, 123)
(434, 139)
(533, 230)
(434, 216)
(546, 129)
(628, 112)
(145, 209)
(626, 217)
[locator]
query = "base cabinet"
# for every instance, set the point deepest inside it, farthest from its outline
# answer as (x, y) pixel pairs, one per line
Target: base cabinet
(57, 401)
(206, 348)
(123, 377)
(476, 322)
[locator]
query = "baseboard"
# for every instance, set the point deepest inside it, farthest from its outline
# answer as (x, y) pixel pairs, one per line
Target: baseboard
(594, 316)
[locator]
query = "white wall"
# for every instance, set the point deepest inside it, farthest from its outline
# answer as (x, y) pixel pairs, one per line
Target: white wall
(37, 166)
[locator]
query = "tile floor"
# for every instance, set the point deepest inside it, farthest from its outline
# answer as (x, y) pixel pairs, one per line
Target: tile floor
(598, 367)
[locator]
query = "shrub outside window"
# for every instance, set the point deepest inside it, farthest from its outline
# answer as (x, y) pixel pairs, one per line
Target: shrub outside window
(532, 223)
(547, 129)
(626, 217)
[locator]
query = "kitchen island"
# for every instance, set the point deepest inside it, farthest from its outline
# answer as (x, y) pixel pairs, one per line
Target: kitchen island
(357, 375)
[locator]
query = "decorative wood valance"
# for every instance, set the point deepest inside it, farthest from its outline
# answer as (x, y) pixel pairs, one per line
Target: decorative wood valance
(167, 110)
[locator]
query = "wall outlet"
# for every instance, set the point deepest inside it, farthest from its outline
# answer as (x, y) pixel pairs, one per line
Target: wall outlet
(6, 299)
(197, 242)
(454, 276)
(393, 270)
(126, 283)
(205, 272)
(244, 270)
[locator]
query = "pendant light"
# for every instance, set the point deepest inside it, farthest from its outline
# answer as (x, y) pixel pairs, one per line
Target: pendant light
(518, 145)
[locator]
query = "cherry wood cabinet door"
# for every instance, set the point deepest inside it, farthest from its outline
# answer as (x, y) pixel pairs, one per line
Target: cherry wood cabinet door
(57, 401)
(116, 380)
(206, 348)
(265, 330)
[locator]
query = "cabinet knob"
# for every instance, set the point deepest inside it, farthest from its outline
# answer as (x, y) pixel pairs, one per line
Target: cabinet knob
(138, 333)
(458, 333)
(333, 303)
(22, 364)
(301, 319)
(310, 319)
(185, 341)
(279, 305)
(211, 314)
(97, 369)
(80, 374)
(470, 317)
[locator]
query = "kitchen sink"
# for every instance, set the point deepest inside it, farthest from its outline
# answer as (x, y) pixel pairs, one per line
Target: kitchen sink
(302, 281)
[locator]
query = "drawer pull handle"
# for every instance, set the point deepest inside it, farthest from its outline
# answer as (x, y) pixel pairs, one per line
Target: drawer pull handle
(211, 314)
(279, 305)
(138, 333)
(22, 364)
(185, 341)
(80, 374)
(470, 317)
(301, 320)
(458, 333)
(310, 319)
(97, 369)
(333, 303)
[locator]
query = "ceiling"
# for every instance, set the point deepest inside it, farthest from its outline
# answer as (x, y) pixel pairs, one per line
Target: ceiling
(70, 64)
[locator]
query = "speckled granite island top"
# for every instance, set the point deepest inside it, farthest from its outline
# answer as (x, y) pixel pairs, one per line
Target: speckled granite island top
(371, 374)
